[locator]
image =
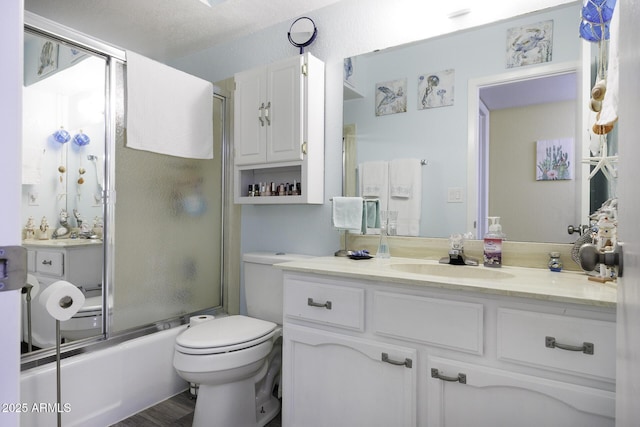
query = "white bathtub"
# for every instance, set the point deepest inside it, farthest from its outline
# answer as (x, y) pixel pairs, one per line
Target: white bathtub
(103, 387)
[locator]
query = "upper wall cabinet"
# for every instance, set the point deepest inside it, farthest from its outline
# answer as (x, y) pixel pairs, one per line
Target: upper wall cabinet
(279, 132)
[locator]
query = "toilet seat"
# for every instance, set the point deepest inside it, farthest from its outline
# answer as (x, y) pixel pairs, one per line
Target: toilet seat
(92, 307)
(224, 335)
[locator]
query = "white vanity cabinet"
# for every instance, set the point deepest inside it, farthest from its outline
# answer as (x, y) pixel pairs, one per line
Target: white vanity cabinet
(279, 129)
(458, 358)
(332, 377)
(79, 264)
(336, 380)
(475, 395)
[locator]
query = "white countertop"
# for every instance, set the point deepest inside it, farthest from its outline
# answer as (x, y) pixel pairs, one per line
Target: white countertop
(61, 243)
(537, 283)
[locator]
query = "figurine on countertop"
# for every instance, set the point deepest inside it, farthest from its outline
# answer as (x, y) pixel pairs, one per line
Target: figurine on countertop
(30, 229)
(44, 229)
(64, 228)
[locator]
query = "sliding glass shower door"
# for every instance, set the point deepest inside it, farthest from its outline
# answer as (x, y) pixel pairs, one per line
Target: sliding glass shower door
(167, 231)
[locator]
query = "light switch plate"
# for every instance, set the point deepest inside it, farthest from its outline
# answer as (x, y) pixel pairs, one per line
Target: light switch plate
(455, 195)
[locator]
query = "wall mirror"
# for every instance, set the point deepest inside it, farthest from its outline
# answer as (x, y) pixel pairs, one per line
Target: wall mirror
(63, 182)
(471, 64)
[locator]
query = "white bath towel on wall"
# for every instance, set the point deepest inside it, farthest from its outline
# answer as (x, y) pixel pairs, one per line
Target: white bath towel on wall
(374, 181)
(402, 175)
(408, 176)
(348, 213)
(168, 111)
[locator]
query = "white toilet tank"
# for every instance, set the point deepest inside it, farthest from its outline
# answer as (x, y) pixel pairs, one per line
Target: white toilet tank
(263, 284)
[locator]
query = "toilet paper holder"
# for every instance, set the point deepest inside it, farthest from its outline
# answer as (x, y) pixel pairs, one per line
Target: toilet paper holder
(13, 267)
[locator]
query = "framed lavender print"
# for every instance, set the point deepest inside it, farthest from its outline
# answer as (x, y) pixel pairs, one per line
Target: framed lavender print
(554, 159)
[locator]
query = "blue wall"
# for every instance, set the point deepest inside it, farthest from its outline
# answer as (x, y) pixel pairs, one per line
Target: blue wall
(349, 28)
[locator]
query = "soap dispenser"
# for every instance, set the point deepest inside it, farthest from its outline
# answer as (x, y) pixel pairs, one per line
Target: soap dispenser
(493, 243)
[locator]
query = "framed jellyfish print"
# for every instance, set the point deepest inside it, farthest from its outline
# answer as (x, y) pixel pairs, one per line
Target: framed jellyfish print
(529, 44)
(391, 97)
(436, 89)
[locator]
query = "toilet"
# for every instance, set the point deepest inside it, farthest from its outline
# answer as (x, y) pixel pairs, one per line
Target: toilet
(87, 322)
(236, 359)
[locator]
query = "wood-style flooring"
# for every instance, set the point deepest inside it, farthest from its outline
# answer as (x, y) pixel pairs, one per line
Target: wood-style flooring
(174, 412)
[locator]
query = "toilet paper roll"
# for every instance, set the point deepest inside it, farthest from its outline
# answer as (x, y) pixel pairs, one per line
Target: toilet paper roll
(196, 320)
(35, 285)
(62, 300)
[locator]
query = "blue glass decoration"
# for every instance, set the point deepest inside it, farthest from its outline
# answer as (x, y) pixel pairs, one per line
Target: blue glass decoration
(598, 11)
(593, 32)
(81, 139)
(596, 15)
(61, 136)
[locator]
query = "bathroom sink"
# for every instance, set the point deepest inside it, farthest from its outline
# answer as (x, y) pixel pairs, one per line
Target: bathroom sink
(456, 271)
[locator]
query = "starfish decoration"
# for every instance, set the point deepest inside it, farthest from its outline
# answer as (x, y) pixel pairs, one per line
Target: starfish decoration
(603, 162)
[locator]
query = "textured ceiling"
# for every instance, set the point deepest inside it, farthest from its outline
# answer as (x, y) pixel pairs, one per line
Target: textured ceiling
(165, 29)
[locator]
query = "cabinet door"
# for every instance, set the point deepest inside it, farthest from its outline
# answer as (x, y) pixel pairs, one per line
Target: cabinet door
(492, 397)
(337, 380)
(285, 111)
(249, 120)
(85, 266)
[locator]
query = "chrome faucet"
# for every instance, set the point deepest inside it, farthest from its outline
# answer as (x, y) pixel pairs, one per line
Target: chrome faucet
(456, 253)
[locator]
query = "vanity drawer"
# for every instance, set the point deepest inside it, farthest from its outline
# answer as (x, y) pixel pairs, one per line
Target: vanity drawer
(444, 323)
(322, 303)
(532, 338)
(51, 263)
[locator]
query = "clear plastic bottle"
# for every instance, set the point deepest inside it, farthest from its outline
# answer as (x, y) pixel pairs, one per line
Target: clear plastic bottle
(493, 243)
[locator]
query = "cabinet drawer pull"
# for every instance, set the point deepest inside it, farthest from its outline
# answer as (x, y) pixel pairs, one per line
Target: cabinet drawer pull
(266, 113)
(261, 114)
(461, 378)
(586, 347)
(406, 362)
(326, 305)
(47, 262)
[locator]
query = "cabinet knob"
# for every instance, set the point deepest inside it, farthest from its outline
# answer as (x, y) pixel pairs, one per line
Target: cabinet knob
(47, 262)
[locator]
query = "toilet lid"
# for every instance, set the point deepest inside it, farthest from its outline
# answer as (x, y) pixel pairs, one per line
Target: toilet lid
(224, 331)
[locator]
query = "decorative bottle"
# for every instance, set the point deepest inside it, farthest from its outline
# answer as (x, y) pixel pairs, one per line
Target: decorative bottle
(555, 264)
(493, 243)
